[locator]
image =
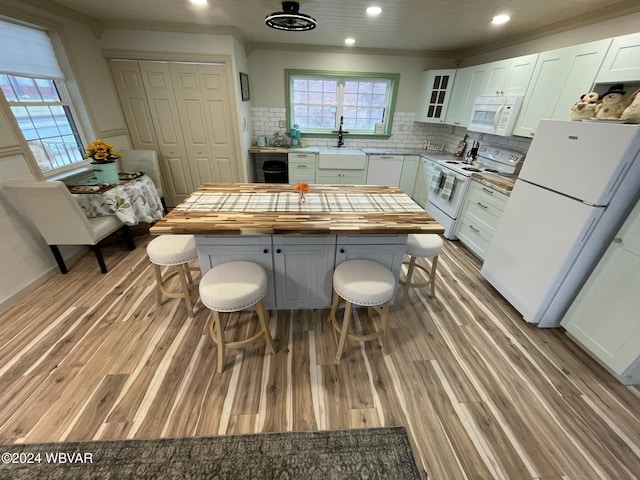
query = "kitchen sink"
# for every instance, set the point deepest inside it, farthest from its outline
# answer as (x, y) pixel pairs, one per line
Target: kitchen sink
(342, 158)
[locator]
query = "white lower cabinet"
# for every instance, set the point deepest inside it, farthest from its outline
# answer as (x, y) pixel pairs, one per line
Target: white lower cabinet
(303, 267)
(302, 167)
(420, 188)
(410, 166)
(345, 177)
(481, 212)
(603, 318)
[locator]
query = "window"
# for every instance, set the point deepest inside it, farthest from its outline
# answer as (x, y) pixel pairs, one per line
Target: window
(317, 100)
(32, 84)
(43, 113)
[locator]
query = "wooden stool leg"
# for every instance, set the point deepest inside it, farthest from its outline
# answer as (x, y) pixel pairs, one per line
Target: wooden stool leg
(185, 289)
(384, 323)
(218, 330)
(334, 307)
(432, 276)
(158, 282)
(263, 315)
(345, 329)
(412, 263)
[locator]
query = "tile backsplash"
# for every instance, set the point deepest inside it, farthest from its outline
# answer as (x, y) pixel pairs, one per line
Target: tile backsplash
(406, 134)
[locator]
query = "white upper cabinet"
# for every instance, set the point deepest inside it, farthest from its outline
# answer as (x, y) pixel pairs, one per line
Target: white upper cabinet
(622, 63)
(559, 78)
(509, 77)
(470, 83)
(434, 95)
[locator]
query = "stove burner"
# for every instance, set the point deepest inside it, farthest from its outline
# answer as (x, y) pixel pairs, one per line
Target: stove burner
(453, 161)
(490, 170)
(471, 169)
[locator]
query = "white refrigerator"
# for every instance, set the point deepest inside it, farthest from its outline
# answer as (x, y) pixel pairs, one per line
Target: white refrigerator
(578, 183)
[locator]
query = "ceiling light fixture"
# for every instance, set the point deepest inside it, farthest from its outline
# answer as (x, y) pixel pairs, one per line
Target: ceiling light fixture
(500, 19)
(199, 2)
(349, 41)
(290, 19)
(373, 11)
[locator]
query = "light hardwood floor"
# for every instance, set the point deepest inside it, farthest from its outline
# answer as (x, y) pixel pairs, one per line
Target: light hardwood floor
(482, 394)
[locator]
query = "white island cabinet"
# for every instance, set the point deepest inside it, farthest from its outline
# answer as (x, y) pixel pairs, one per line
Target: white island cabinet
(605, 316)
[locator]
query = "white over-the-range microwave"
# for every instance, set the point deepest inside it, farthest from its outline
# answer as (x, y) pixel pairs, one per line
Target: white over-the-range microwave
(495, 115)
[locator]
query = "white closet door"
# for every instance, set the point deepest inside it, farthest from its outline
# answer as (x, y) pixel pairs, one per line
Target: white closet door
(164, 112)
(205, 109)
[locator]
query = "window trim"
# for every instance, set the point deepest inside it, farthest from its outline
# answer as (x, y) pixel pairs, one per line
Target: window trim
(394, 79)
(66, 101)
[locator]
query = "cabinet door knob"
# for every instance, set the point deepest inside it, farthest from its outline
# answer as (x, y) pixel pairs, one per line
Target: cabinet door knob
(266, 250)
(199, 151)
(278, 251)
(617, 240)
(342, 250)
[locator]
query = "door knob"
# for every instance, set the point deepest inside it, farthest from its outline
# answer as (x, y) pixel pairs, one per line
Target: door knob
(617, 240)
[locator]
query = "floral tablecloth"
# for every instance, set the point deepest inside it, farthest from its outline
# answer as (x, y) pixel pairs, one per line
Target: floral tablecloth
(132, 202)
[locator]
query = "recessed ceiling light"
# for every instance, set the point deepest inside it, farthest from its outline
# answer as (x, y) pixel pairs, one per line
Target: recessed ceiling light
(199, 2)
(373, 11)
(500, 19)
(349, 41)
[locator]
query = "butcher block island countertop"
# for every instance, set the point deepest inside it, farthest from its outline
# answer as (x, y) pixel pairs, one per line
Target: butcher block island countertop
(266, 209)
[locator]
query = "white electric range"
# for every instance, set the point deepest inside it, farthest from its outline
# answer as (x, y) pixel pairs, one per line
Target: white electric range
(448, 180)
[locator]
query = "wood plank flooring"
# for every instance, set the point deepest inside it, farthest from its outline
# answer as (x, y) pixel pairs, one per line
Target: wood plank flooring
(483, 395)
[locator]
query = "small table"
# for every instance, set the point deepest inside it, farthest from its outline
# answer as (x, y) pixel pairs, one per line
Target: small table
(132, 201)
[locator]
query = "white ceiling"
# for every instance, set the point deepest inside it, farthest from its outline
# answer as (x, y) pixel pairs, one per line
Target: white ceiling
(434, 26)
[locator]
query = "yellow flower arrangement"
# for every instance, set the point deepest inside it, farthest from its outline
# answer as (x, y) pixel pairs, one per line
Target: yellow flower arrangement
(101, 152)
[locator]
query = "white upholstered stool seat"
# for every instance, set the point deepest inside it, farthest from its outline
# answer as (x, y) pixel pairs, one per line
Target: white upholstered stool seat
(365, 283)
(174, 251)
(425, 246)
(231, 287)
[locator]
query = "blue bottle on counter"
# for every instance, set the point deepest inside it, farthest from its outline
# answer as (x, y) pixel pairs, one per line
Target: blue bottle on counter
(294, 133)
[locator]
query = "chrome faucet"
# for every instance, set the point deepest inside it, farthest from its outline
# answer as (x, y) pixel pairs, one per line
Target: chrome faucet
(340, 133)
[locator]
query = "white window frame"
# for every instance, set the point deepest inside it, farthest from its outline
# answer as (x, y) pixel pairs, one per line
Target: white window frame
(42, 152)
(381, 131)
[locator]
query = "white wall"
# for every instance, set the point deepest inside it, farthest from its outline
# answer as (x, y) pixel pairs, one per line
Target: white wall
(269, 66)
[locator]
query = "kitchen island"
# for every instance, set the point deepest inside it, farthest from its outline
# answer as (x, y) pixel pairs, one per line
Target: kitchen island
(298, 243)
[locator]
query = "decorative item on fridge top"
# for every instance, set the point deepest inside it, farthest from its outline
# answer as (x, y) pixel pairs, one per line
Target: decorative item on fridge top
(612, 104)
(631, 113)
(462, 145)
(585, 107)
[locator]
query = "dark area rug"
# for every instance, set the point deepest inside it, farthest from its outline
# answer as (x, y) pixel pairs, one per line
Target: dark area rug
(376, 453)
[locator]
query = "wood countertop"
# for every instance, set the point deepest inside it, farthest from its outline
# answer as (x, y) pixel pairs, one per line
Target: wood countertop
(264, 209)
(493, 179)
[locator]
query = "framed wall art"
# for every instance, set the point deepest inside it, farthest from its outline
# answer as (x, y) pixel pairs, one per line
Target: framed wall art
(244, 87)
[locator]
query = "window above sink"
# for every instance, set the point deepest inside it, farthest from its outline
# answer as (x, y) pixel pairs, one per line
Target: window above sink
(316, 100)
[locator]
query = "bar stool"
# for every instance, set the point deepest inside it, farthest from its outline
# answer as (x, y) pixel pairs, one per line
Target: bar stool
(231, 287)
(174, 251)
(428, 246)
(365, 283)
